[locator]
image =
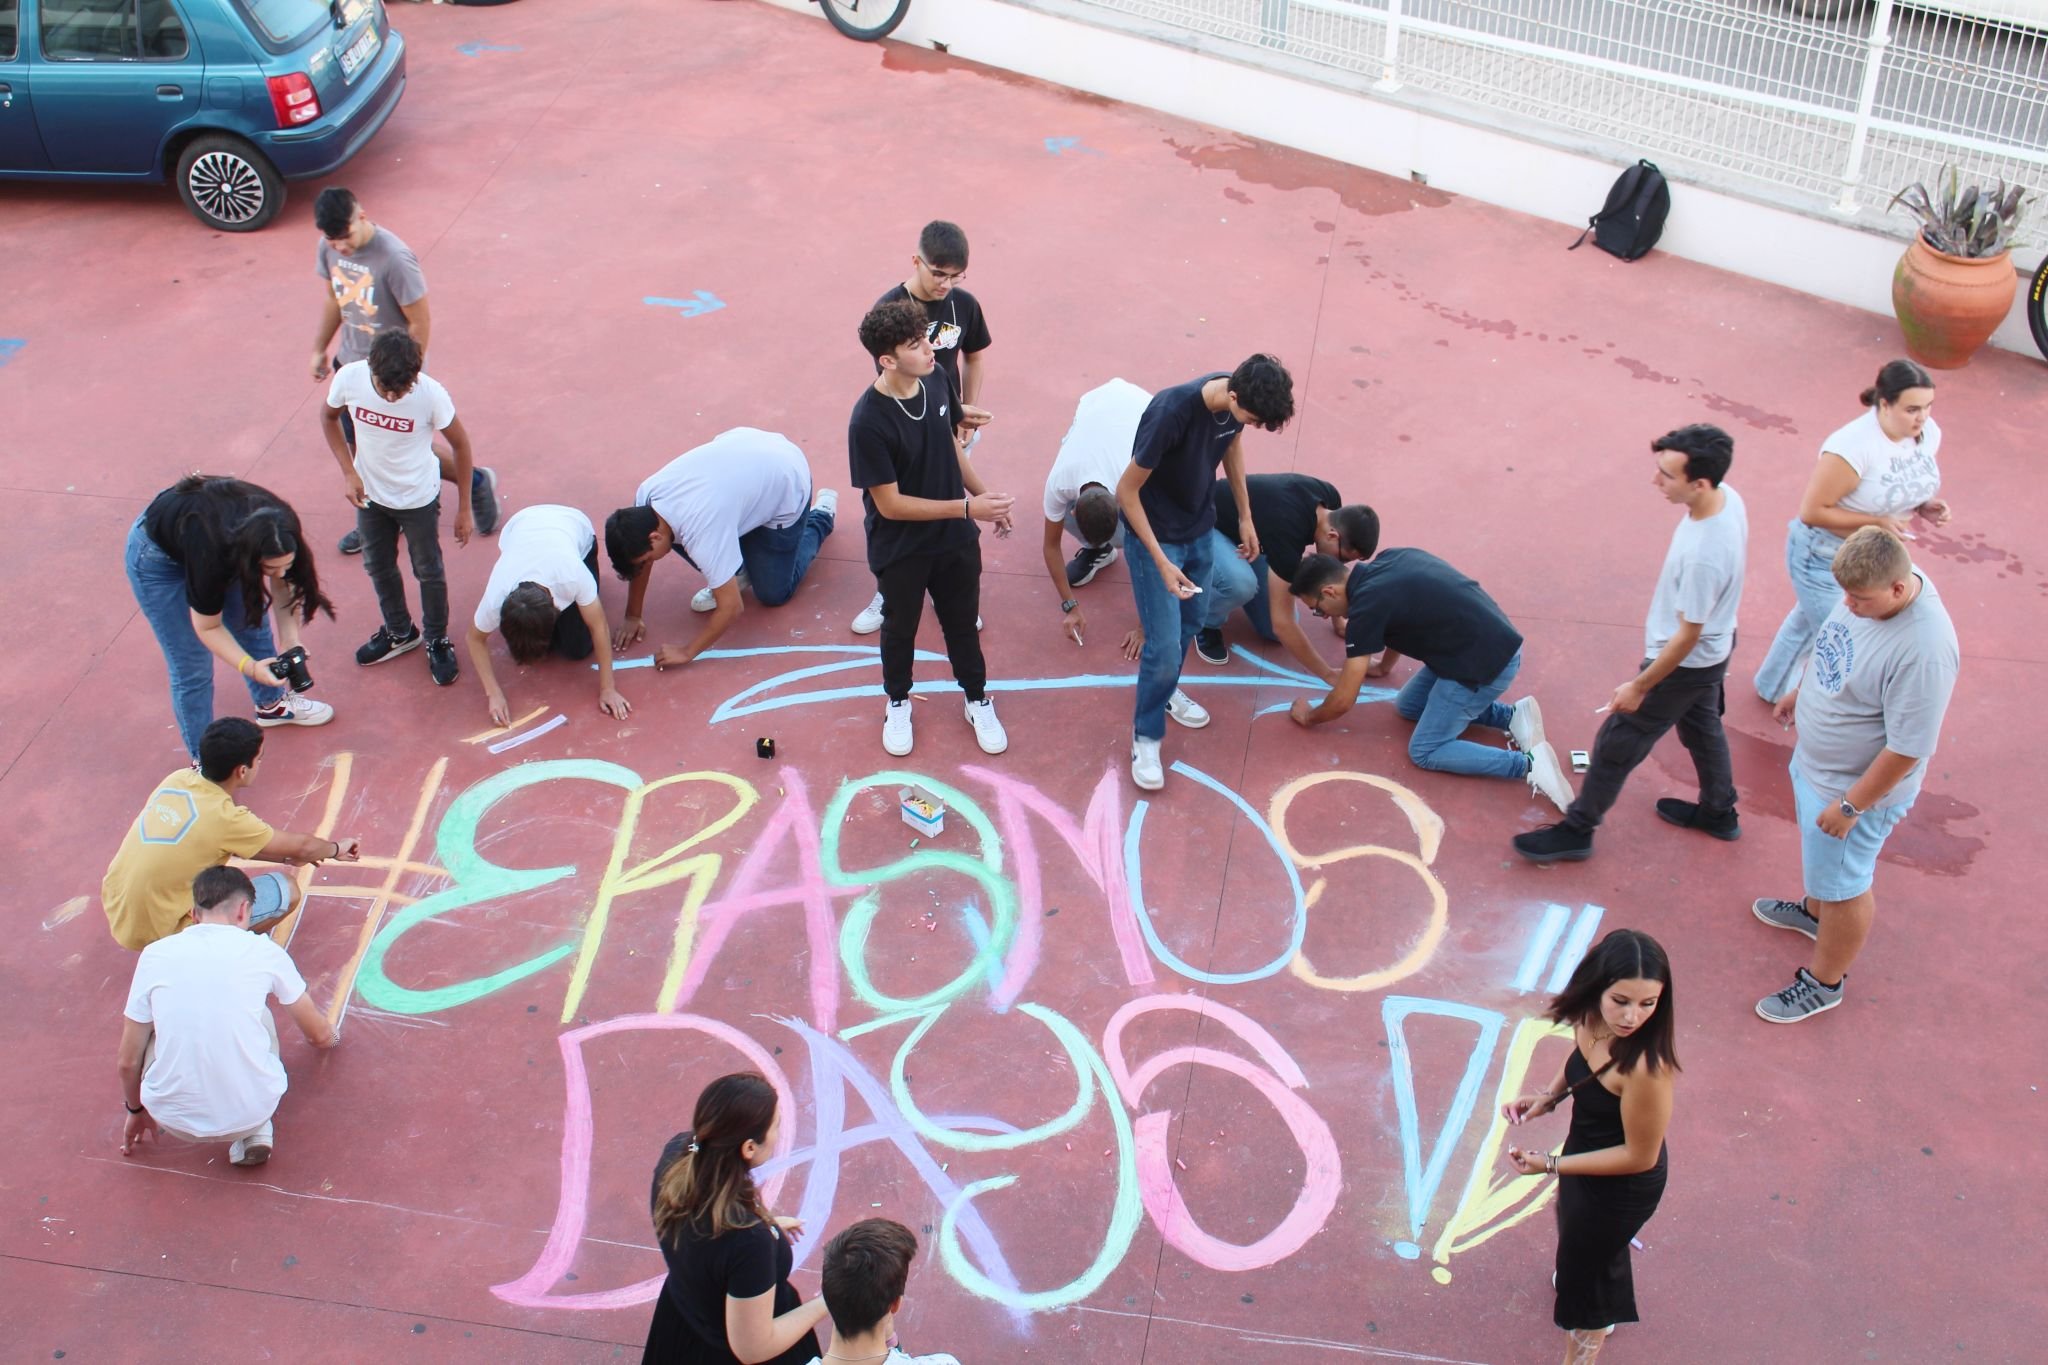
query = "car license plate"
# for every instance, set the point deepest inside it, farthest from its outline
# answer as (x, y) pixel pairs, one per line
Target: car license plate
(358, 53)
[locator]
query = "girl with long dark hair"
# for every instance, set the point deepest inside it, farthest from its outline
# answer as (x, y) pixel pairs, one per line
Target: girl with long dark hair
(727, 1299)
(1879, 470)
(208, 560)
(1610, 1173)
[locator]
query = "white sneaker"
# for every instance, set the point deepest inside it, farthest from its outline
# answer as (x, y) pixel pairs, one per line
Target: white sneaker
(1547, 777)
(706, 599)
(977, 623)
(1525, 727)
(1185, 710)
(896, 737)
(1145, 769)
(296, 710)
(988, 731)
(827, 502)
(869, 621)
(252, 1150)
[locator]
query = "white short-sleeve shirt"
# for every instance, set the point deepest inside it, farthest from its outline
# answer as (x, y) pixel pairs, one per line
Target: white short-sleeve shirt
(394, 440)
(1894, 477)
(204, 991)
(1702, 582)
(1097, 446)
(734, 483)
(545, 544)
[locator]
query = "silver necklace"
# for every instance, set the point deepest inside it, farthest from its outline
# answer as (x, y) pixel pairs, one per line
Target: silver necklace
(917, 416)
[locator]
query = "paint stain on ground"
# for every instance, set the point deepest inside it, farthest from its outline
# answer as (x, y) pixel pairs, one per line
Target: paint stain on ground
(1641, 371)
(1968, 547)
(1748, 415)
(1283, 168)
(1236, 195)
(69, 910)
(924, 62)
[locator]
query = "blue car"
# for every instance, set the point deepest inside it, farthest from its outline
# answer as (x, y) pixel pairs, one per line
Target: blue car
(226, 98)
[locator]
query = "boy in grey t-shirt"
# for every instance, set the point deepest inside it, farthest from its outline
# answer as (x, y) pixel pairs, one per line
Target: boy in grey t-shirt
(1687, 638)
(1869, 713)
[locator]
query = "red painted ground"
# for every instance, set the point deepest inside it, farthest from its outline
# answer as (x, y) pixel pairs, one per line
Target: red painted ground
(1865, 1187)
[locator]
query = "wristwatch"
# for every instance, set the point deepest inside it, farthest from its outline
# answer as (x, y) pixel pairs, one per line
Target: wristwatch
(1069, 605)
(1848, 809)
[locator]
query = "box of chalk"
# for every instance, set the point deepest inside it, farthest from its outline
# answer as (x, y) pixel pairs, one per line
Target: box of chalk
(922, 811)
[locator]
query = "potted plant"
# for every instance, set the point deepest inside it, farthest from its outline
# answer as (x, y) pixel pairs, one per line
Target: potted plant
(1956, 282)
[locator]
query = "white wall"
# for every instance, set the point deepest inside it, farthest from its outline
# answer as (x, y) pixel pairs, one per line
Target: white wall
(1160, 68)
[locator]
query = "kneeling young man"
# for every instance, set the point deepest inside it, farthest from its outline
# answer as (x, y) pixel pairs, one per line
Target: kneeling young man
(866, 1269)
(738, 509)
(542, 595)
(1410, 602)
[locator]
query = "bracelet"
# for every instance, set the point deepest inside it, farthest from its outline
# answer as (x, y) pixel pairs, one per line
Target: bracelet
(967, 508)
(337, 848)
(1550, 1162)
(243, 667)
(133, 1109)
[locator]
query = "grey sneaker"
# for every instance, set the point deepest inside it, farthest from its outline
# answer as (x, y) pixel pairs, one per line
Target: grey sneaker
(1787, 915)
(1804, 998)
(483, 498)
(352, 543)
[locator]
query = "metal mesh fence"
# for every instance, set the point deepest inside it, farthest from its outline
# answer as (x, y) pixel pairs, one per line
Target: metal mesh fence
(1828, 101)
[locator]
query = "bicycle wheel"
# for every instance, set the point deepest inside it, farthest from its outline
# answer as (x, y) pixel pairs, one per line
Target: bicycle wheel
(866, 20)
(2037, 306)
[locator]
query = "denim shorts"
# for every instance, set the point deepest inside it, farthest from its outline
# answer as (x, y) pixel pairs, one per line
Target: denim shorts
(1839, 869)
(273, 898)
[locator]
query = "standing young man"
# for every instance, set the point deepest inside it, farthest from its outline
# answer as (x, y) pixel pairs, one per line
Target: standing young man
(1869, 712)
(1080, 492)
(739, 510)
(959, 335)
(392, 476)
(1164, 494)
(922, 498)
(1687, 639)
(1410, 602)
(1294, 515)
(542, 595)
(373, 284)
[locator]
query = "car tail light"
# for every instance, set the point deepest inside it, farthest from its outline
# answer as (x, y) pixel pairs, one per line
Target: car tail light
(294, 99)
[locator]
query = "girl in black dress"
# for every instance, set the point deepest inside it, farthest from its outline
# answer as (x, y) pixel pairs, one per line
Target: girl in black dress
(1610, 1174)
(727, 1299)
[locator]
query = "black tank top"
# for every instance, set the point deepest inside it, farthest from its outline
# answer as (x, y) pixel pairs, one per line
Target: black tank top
(1596, 1112)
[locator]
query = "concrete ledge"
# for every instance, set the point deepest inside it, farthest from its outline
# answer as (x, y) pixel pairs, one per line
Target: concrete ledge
(1455, 148)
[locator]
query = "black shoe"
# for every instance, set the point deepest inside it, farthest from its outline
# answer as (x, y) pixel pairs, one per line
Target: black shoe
(483, 499)
(441, 661)
(1089, 561)
(352, 543)
(384, 645)
(1688, 815)
(1209, 644)
(1555, 844)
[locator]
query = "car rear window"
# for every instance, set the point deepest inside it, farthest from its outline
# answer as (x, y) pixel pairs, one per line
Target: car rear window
(282, 24)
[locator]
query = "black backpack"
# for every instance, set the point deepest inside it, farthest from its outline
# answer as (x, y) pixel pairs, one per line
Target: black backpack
(1632, 219)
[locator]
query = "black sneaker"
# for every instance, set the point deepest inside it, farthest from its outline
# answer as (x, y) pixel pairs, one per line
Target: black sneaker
(384, 645)
(1688, 815)
(441, 661)
(1089, 561)
(483, 499)
(352, 543)
(1209, 644)
(1558, 843)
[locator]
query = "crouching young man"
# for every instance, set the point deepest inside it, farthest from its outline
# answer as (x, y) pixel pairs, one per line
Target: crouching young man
(542, 596)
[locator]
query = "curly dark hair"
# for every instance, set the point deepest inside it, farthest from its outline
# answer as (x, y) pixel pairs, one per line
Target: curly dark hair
(395, 360)
(889, 325)
(1262, 387)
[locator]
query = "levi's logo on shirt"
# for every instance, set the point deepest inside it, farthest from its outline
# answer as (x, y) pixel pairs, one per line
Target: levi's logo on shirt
(388, 422)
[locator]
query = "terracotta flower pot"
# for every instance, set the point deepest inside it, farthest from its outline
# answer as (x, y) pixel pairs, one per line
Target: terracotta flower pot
(1948, 306)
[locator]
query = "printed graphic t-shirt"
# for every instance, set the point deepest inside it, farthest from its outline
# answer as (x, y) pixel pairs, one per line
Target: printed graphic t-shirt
(734, 483)
(1412, 601)
(954, 325)
(189, 825)
(1182, 443)
(1097, 447)
(394, 440)
(1283, 513)
(1875, 685)
(545, 544)
(1894, 476)
(1702, 581)
(374, 287)
(908, 443)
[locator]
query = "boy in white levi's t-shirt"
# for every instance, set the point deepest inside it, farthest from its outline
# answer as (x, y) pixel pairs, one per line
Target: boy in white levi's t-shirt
(394, 479)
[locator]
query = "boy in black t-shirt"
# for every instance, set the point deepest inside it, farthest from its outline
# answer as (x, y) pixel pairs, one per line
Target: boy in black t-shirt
(922, 498)
(958, 334)
(1410, 602)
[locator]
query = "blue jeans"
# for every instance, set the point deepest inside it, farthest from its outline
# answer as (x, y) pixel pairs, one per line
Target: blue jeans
(1809, 561)
(776, 557)
(159, 585)
(1237, 583)
(1169, 623)
(1442, 711)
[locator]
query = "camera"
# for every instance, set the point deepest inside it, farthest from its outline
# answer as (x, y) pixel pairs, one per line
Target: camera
(292, 665)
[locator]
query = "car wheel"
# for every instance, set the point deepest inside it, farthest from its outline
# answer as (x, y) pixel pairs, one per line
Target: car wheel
(228, 185)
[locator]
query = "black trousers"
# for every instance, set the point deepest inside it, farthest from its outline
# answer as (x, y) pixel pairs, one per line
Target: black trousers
(572, 633)
(421, 526)
(1693, 699)
(953, 581)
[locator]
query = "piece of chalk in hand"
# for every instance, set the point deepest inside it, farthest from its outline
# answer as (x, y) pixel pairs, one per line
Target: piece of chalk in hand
(1598, 709)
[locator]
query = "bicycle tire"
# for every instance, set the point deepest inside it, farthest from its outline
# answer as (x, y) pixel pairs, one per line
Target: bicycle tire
(866, 21)
(2037, 307)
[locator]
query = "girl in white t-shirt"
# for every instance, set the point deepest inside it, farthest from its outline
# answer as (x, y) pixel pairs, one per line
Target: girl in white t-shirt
(1879, 470)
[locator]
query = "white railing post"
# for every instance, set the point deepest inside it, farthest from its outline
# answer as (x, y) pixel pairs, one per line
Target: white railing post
(1273, 23)
(1390, 60)
(1866, 101)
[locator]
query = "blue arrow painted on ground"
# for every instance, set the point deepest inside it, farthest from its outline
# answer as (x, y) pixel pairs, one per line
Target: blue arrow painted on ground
(8, 346)
(1059, 145)
(474, 49)
(698, 304)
